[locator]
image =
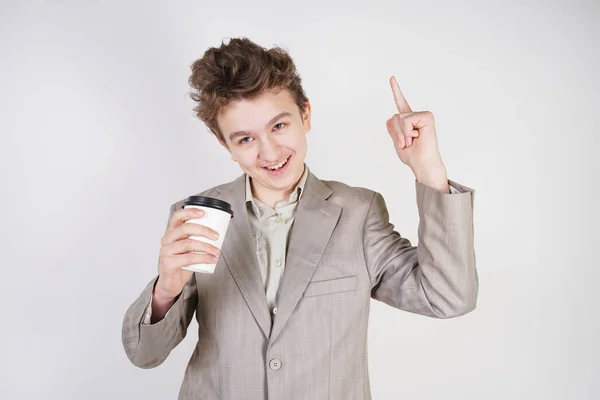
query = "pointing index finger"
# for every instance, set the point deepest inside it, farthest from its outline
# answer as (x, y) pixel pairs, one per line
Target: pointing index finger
(401, 102)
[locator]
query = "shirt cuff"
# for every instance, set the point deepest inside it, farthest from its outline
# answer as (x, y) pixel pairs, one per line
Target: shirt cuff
(147, 320)
(453, 190)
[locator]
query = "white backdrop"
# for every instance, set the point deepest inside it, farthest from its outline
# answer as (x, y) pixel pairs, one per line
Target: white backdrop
(98, 138)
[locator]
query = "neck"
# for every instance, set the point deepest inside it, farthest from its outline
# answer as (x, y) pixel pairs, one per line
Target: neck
(270, 197)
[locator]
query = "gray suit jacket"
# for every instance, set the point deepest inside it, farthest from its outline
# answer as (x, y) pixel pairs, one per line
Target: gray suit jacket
(342, 251)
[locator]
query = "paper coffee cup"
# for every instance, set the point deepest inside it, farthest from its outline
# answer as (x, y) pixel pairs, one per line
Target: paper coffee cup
(217, 214)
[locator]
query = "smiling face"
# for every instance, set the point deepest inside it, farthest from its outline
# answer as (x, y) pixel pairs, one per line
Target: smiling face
(266, 136)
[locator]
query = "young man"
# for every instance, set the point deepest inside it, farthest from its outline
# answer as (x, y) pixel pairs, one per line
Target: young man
(284, 315)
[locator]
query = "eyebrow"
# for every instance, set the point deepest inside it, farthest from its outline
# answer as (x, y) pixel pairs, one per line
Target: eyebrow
(271, 122)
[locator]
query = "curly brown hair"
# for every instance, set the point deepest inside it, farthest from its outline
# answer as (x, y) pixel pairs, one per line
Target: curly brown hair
(239, 70)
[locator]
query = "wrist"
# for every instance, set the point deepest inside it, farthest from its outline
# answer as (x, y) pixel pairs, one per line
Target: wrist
(433, 176)
(161, 303)
(162, 297)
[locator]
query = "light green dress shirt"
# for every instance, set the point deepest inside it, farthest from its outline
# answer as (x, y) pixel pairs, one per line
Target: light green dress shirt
(271, 228)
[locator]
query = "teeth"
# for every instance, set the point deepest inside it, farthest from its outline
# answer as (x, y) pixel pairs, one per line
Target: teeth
(277, 166)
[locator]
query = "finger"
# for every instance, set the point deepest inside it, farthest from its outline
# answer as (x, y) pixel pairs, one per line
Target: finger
(408, 128)
(189, 229)
(401, 102)
(194, 258)
(394, 129)
(189, 245)
(184, 214)
(423, 120)
(402, 124)
(409, 141)
(183, 260)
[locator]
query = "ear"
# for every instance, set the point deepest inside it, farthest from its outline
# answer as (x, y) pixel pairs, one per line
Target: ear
(306, 117)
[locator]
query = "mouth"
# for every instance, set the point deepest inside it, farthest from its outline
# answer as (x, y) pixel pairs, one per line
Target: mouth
(278, 169)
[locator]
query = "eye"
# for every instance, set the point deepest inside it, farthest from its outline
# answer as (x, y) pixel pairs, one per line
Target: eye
(245, 140)
(282, 125)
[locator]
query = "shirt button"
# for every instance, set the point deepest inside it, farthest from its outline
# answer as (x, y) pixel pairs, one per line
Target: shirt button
(275, 364)
(278, 219)
(278, 262)
(275, 310)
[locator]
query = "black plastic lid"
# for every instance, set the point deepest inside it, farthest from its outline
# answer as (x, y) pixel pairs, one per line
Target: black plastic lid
(208, 202)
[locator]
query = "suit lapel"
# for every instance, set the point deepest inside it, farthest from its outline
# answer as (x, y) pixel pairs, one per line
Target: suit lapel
(238, 252)
(313, 226)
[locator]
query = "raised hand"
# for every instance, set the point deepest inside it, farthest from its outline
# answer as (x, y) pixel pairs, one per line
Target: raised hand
(415, 141)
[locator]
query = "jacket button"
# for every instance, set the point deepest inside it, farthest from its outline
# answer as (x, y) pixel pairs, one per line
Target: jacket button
(275, 364)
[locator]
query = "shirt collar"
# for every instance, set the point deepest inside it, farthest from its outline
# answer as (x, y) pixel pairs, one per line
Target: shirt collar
(296, 194)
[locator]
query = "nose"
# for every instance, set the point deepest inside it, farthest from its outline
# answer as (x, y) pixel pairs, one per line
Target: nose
(270, 150)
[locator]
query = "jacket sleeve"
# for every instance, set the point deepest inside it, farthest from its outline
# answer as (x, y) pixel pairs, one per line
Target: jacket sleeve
(437, 278)
(147, 346)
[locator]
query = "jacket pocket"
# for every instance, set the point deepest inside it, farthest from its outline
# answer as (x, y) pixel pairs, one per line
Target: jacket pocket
(338, 285)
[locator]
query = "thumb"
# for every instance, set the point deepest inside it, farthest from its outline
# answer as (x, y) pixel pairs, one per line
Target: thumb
(395, 133)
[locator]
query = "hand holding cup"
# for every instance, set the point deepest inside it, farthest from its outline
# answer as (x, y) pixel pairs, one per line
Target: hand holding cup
(178, 250)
